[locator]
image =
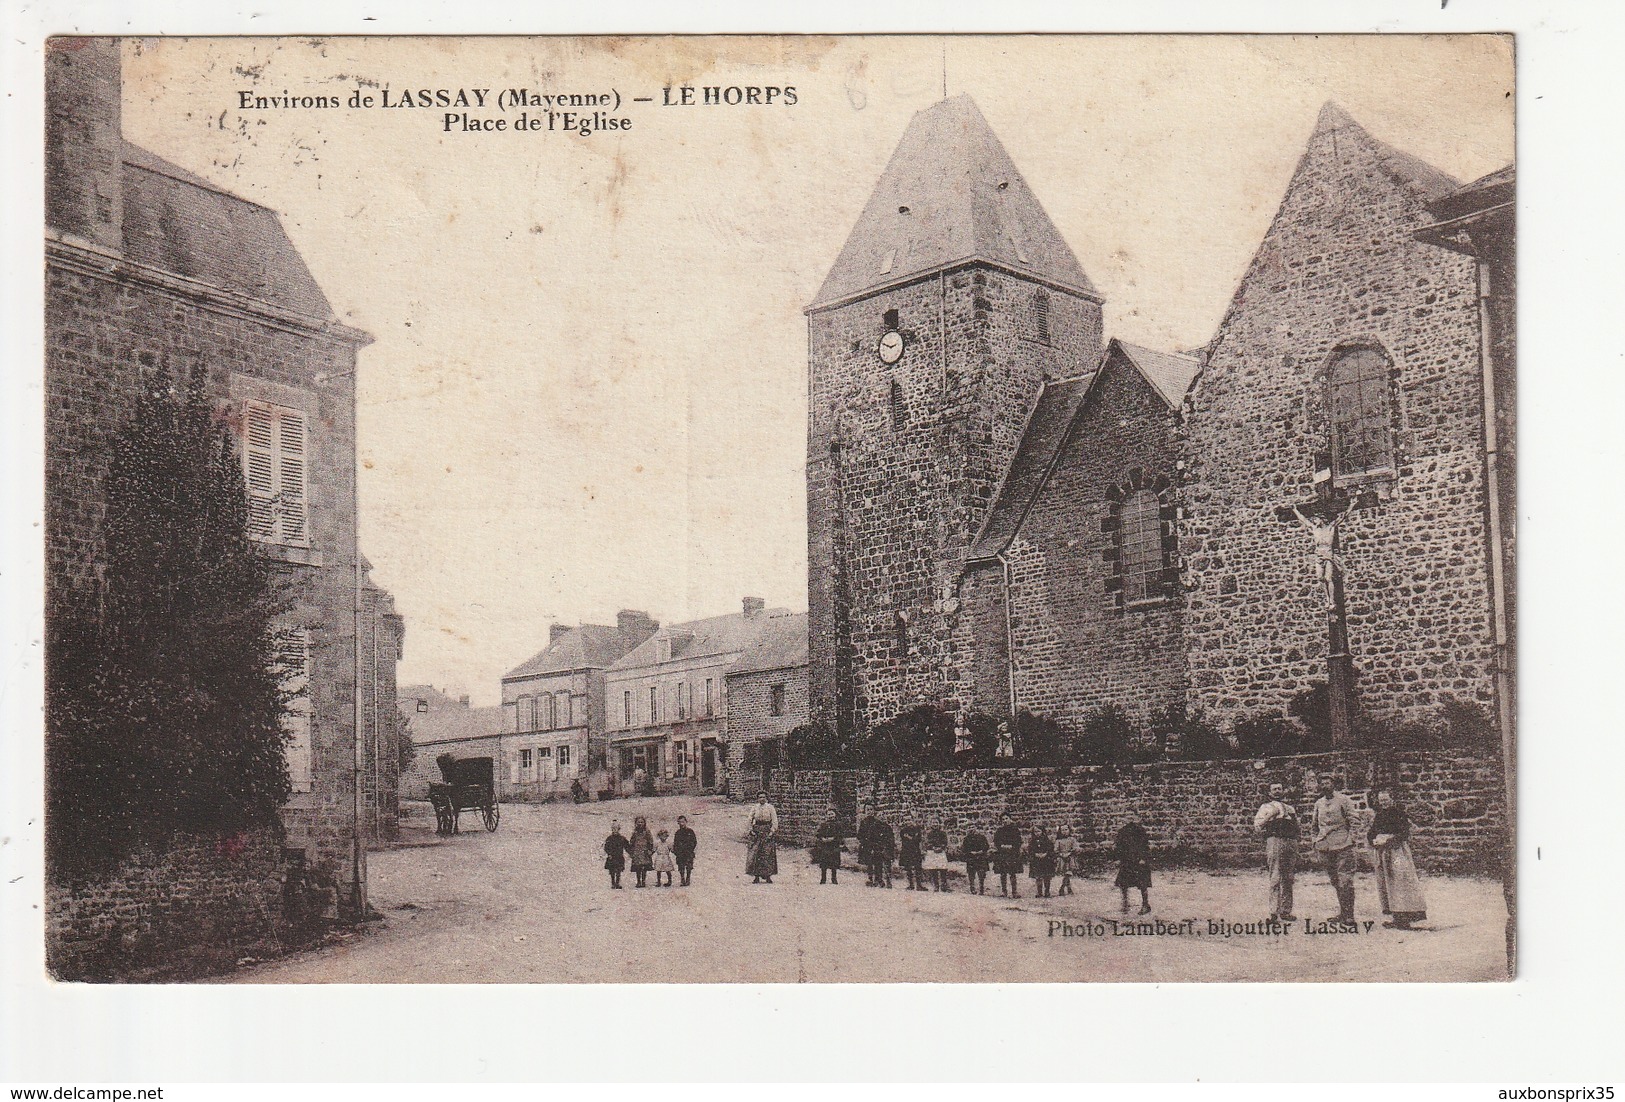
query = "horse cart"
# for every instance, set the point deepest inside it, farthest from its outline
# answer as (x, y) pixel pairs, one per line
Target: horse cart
(470, 785)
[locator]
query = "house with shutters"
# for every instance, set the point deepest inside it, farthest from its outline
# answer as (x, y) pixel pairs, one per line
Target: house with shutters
(153, 267)
(553, 707)
(668, 701)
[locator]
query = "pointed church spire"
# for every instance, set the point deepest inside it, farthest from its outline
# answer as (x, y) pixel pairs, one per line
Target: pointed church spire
(950, 194)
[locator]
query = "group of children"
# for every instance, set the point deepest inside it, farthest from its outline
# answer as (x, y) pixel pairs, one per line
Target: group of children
(920, 851)
(660, 853)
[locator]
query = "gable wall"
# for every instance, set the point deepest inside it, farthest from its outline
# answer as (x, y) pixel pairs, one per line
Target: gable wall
(1339, 264)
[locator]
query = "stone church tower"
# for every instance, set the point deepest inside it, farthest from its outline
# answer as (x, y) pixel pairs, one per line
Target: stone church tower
(952, 303)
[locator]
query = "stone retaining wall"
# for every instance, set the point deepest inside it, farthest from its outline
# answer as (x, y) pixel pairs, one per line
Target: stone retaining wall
(1196, 812)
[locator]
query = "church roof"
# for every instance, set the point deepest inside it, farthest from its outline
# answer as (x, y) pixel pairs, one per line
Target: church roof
(178, 221)
(950, 194)
(1169, 374)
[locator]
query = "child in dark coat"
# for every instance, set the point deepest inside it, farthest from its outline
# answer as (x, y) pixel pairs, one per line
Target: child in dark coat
(615, 847)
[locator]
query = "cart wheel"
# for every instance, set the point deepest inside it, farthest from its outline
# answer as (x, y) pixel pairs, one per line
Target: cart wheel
(493, 816)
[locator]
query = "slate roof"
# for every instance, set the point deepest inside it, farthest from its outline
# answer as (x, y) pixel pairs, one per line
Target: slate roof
(782, 645)
(1059, 403)
(447, 718)
(586, 646)
(1486, 191)
(950, 193)
(702, 638)
(1423, 177)
(178, 221)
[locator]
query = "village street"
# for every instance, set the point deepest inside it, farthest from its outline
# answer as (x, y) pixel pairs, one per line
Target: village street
(531, 903)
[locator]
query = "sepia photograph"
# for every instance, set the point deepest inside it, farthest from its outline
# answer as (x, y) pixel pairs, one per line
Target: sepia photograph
(780, 509)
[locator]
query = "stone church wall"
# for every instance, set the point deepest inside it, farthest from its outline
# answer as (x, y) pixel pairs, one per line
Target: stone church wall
(1076, 647)
(893, 507)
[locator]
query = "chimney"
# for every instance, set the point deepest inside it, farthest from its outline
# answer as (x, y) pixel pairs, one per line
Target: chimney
(754, 605)
(84, 146)
(634, 624)
(463, 700)
(555, 631)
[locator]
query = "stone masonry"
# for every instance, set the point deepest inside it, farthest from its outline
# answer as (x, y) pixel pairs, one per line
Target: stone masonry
(1340, 268)
(1197, 812)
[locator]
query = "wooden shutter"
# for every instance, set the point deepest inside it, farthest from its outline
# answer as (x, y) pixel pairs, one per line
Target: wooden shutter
(275, 449)
(294, 660)
(291, 476)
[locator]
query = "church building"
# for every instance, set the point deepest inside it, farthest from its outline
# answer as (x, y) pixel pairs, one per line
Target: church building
(1007, 512)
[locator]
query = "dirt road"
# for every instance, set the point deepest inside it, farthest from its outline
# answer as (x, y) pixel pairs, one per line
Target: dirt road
(531, 903)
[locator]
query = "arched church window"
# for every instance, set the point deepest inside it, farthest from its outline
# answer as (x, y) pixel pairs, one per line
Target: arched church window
(1041, 317)
(899, 408)
(1360, 411)
(1140, 555)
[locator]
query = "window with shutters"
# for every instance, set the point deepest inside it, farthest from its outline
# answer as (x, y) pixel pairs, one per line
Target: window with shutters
(275, 453)
(562, 710)
(654, 704)
(527, 715)
(626, 706)
(1360, 412)
(293, 663)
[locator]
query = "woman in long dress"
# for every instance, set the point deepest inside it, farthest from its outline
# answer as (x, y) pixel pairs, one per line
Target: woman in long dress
(761, 852)
(1398, 886)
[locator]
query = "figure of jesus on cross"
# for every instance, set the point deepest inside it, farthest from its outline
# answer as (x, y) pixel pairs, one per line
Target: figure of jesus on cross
(1322, 528)
(1322, 518)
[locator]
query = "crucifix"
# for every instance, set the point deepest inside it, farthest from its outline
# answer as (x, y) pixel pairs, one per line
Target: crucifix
(1322, 517)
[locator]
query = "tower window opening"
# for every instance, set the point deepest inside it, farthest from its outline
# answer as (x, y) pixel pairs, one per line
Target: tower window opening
(899, 408)
(1041, 317)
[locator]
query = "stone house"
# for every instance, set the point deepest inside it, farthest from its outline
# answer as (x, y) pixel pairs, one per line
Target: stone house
(1006, 515)
(152, 267)
(553, 707)
(767, 699)
(667, 701)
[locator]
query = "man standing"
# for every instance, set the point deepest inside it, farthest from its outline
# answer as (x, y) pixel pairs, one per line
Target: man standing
(684, 844)
(1277, 821)
(1335, 821)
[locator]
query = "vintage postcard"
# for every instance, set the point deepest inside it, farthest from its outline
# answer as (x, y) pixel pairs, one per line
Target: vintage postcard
(780, 509)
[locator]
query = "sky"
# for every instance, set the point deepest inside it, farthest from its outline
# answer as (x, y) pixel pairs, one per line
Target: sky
(587, 387)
